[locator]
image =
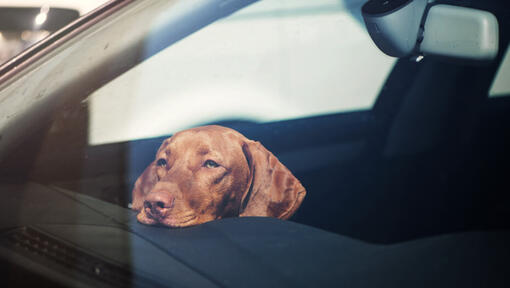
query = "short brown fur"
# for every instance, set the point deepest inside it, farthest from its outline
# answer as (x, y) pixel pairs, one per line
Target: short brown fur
(248, 181)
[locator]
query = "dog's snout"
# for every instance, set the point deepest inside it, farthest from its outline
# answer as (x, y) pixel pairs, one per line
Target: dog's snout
(158, 202)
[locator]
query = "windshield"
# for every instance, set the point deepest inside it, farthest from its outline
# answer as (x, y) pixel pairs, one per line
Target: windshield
(360, 130)
(214, 143)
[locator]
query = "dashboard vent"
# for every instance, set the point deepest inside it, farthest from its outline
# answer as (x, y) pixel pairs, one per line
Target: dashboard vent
(41, 247)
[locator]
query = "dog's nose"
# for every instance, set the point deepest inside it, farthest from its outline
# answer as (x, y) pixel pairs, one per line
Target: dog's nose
(157, 202)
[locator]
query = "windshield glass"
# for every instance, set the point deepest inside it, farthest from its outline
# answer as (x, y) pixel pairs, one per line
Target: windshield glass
(370, 137)
(162, 143)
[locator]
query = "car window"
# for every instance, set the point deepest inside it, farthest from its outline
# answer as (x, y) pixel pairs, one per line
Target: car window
(272, 60)
(392, 154)
(361, 131)
(501, 86)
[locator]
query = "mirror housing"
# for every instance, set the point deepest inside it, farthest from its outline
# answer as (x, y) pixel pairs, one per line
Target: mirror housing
(411, 28)
(394, 25)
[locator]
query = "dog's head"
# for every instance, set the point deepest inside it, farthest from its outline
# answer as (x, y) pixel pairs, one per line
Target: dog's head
(213, 172)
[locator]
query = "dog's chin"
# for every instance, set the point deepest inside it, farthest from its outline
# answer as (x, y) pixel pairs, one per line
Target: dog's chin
(170, 220)
(144, 219)
(180, 221)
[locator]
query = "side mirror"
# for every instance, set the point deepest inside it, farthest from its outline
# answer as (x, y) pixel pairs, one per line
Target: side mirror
(410, 28)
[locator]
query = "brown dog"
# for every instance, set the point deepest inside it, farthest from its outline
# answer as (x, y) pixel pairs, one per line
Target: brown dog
(214, 172)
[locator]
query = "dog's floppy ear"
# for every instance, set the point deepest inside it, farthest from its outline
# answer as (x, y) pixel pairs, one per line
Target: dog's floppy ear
(143, 185)
(273, 190)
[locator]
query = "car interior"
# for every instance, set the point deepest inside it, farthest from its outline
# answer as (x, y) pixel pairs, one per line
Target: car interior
(411, 192)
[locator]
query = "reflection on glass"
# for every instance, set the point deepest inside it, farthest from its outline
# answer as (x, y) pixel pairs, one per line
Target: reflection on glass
(12, 43)
(297, 60)
(22, 25)
(42, 16)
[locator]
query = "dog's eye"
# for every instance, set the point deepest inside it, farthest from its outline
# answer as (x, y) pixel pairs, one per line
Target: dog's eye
(210, 164)
(161, 163)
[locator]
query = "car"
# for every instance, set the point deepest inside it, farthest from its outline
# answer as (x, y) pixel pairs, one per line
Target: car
(403, 160)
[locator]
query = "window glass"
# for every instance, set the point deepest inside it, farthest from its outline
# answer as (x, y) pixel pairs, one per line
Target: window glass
(271, 61)
(501, 85)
